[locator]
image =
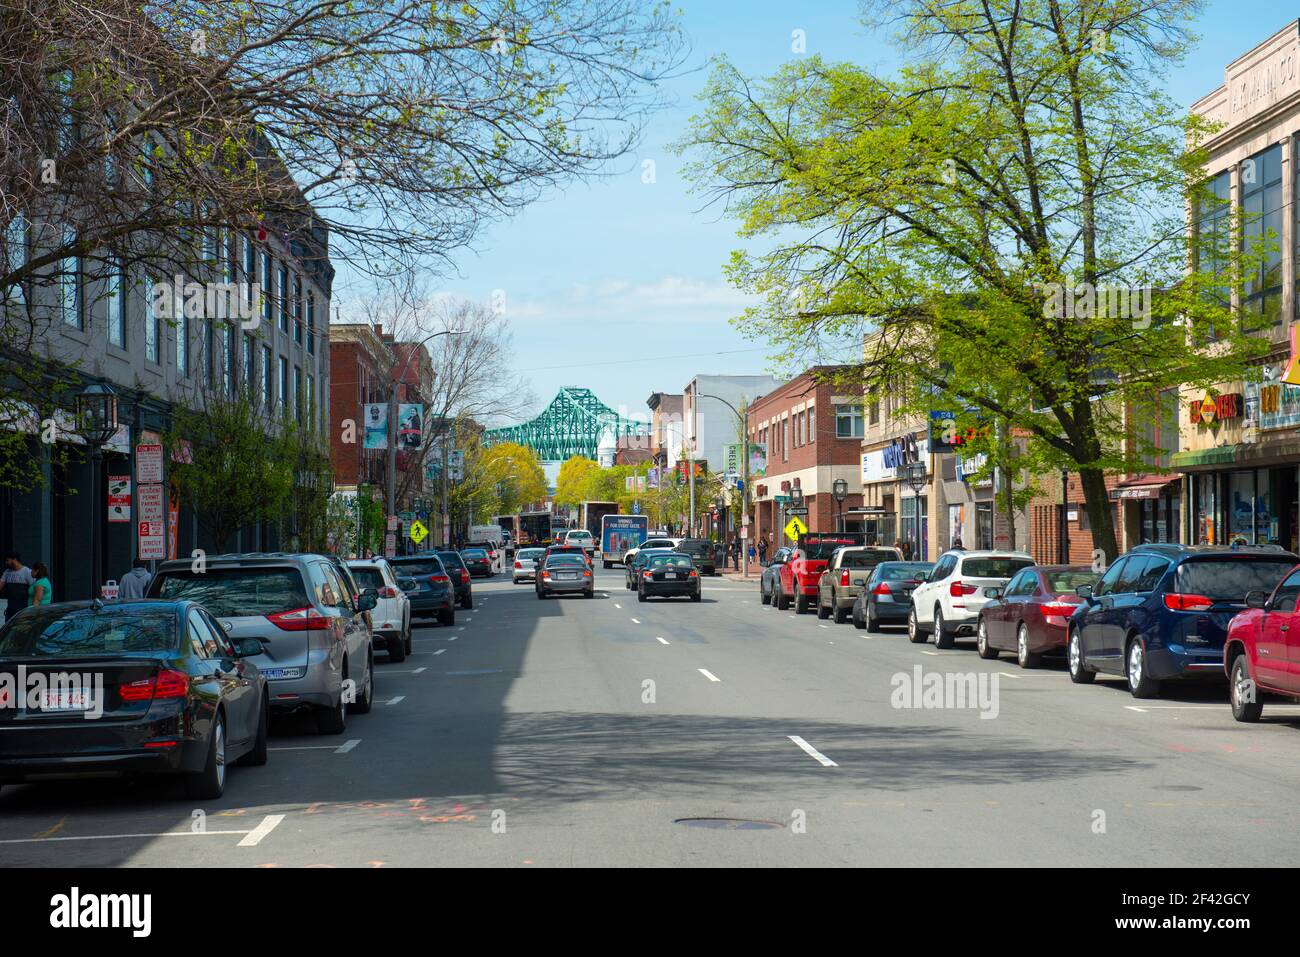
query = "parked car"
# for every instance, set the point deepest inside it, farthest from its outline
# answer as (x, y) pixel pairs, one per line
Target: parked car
(317, 647)
(1030, 615)
(845, 575)
(948, 602)
(797, 579)
(563, 574)
(633, 568)
(177, 694)
(458, 572)
(702, 553)
(771, 576)
(391, 616)
(668, 574)
(1161, 612)
(1262, 651)
(886, 598)
(478, 562)
(428, 587)
(525, 566)
(654, 541)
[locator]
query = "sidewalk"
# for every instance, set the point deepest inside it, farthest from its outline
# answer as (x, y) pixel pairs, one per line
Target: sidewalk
(755, 572)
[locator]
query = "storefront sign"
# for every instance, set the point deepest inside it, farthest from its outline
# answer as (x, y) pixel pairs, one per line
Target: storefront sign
(902, 451)
(881, 465)
(1275, 403)
(1212, 409)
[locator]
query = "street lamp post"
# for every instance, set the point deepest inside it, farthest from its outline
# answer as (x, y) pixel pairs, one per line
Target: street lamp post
(839, 492)
(96, 416)
(916, 478)
(391, 496)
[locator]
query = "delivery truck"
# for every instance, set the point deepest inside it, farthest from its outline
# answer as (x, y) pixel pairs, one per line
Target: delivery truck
(618, 533)
(590, 517)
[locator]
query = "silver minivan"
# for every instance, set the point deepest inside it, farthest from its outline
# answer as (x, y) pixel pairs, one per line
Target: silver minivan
(318, 647)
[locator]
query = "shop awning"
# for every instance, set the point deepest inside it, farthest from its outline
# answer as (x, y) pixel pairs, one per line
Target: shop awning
(1201, 458)
(1143, 486)
(1274, 451)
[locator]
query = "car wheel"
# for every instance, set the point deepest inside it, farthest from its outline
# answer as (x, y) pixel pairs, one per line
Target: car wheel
(801, 604)
(608, 565)
(396, 648)
(257, 757)
(1079, 672)
(782, 603)
(822, 611)
(1024, 657)
(406, 639)
(986, 651)
(838, 612)
(943, 638)
(871, 624)
(1246, 705)
(762, 594)
(365, 702)
(696, 596)
(640, 594)
(333, 720)
(589, 594)
(447, 616)
(210, 783)
(468, 602)
(1140, 683)
(914, 633)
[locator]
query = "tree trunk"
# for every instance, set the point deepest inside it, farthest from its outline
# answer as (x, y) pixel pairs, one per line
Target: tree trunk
(1100, 515)
(1011, 512)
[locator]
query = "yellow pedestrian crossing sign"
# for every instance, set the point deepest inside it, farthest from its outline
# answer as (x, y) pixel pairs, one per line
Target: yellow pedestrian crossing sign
(794, 528)
(418, 532)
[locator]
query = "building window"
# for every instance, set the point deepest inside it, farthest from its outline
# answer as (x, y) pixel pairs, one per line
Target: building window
(812, 424)
(1160, 431)
(227, 361)
(785, 440)
(249, 370)
(267, 287)
(848, 422)
(297, 394)
(250, 260)
(70, 282)
(282, 296)
(310, 400)
(874, 418)
(151, 320)
(297, 310)
(311, 323)
(1261, 206)
(210, 353)
(16, 257)
(115, 292)
(182, 333)
(1213, 228)
(284, 385)
(268, 379)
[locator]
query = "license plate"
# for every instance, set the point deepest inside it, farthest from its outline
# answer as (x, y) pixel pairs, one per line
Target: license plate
(566, 576)
(272, 673)
(65, 699)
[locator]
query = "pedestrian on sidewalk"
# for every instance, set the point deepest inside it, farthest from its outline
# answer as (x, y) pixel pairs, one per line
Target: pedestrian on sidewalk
(40, 591)
(13, 584)
(134, 582)
(753, 552)
(735, 555)
(905, 548)
(762, 551)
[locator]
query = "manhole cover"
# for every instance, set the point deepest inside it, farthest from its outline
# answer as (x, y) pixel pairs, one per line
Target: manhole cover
(729, 823)
(1177, 787)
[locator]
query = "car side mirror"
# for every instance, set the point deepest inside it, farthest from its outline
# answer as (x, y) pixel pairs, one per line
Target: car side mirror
(1084, 591)
(1256, 599)
(367, 600)
(249, 648)
(993, 592)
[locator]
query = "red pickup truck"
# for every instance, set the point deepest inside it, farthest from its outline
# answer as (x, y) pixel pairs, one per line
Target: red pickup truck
(1262, 651)
(800, 575)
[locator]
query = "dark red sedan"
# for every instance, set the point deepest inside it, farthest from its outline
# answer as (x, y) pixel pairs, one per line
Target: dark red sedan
(1029, 615)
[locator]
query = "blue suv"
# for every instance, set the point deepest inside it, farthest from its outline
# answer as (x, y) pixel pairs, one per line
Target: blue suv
(1162, 611)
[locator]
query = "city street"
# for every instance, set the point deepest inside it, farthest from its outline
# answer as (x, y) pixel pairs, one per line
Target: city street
(608, 732)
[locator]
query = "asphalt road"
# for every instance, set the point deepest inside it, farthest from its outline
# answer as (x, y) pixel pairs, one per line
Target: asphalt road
(590, 732)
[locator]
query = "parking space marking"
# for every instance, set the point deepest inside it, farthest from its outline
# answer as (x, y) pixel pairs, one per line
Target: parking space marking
(617, 605)
(1133, 707)
(823, 626)
(708, 674)
(254, 837)
(400, 671)
(636, 621)
(440, 651)
(348, 746)
(660, 639)
(398, 700)
(809, 749)
(117, 837)
(418, 670)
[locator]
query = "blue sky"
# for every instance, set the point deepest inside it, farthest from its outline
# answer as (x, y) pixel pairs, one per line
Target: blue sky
(618, 283)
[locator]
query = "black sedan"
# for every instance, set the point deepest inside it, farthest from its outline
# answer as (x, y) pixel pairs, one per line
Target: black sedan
(667, 575)
(478, 562)
(637, 565)
(459, 573)
(427, 586)
(886, 598)
(137, 686)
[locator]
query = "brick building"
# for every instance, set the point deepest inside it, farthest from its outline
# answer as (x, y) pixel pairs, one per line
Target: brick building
(813, 434)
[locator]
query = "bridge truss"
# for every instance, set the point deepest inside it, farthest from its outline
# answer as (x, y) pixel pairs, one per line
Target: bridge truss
(572, 424)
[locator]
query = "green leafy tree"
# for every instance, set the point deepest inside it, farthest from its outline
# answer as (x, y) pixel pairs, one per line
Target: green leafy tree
(941, 214)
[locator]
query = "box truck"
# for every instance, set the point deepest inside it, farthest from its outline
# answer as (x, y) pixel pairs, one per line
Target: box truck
(618, 533)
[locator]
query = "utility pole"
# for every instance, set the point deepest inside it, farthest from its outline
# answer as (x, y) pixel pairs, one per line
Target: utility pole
(690, 462)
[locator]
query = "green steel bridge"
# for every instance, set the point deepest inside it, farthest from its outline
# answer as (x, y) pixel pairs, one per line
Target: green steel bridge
(571, 425)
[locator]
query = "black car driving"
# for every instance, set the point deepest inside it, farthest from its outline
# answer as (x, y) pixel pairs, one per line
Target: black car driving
(637, 564)
(133, 686)
(427, 585)
(460, 578)
(477, 561)
(667, 575)
(886, 598)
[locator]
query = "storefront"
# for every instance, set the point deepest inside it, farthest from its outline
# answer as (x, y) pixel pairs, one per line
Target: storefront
(889, 508)
(1151, 508)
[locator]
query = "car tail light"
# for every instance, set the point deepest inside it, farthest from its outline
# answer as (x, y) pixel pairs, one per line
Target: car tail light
(439, 578)
(388, 592)
(844, 578)
(166, 684)
(464, 576)
(300, 619)
(586, 573)
(1178, 602)
(881, 589)
(1060, 609)
(648, 575)
(694, 573)
(517, 565)
(958, 590)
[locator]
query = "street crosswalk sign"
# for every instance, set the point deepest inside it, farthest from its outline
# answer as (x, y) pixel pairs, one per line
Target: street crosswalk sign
(794, 528)
(418, 532)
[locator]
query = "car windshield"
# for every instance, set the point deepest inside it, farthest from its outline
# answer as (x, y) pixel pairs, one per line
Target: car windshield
(995, 567)
(822, 551)
(532, 553)
(575, 536)
(368, 577)
(474, 553)
(451, 559)
(904, 571)
(54, 632)
(235, 592)
(672, 561)
(695, 546)
(1229, 579)
(419, 566)
(557, 560)
(645, 555)
(866, 559)
(1061, 583)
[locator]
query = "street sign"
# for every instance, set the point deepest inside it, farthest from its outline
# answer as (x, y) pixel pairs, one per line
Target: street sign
(636, 508)
(108, 591)
(794, 528)
(390, 545)
(801, 510)
(392, 523)
(119, 498)
(780, 499)
(418, 532)
(148, 463)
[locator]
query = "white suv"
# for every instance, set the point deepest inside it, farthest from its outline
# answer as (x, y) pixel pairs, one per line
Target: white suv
(948, 602)
(392, 612)
(656, 542)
